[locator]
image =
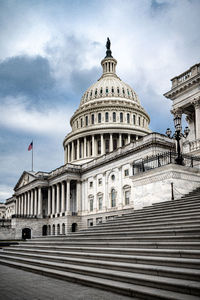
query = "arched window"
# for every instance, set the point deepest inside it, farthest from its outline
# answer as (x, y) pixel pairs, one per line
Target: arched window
(106, 91)
(113, 198)
(106, 117)
(53, 229)
(112, 90)
(121, 117)
(63, 228)
(133, 119)
(86, 121)
(90, 94)
(58, 229)
(118, 91)
(81, 122)
(76, 124)
(139, 121)
(101, 91)
(128, 92)
(95, 92)
(128, 118)
(123, 91)
(99, 117)
(114, 116)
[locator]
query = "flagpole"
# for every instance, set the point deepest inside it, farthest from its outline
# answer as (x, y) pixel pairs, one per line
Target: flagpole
(32, 156)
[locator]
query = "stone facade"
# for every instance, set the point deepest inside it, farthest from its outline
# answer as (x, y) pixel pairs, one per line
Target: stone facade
(109, 134)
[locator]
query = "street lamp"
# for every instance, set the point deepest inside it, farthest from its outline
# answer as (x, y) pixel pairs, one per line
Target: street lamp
(177, 136)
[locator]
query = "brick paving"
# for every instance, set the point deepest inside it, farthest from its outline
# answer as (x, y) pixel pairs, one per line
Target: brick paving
(22, 285)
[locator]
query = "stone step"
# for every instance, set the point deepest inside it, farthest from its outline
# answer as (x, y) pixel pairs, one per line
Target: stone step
(84, 251)
(142, 224)
(146, 227)
(173, 204)
(133, 217)
(126, 263)
(108, 244)
(147, 238)
(190, 287)
(124, 288)
(182, 201)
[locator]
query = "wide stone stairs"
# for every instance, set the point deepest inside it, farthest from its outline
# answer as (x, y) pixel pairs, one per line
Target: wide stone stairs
(152, 253)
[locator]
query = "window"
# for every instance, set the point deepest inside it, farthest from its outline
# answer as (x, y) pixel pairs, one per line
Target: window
(106, 117)
(133, 119)
(91, 184)
(121, 117)
(99, 117)
(90, 94)
(139, 121)
(101, 91)
(127, 197)
(128, 118)
(92, 118)
(113, 198)
(114, 144)
(81, 122)
(143, 122)
(113, 177)
(112, 90)
(128, 92)
(106, 91)
(126, 172)
(91, 204)
(76, 124)
(114, 116)
(95, 92)
(86, 121)
(100, 202)
(107, 145)
(99, 147)
(123, 91)
(118, 91)
(100, 181)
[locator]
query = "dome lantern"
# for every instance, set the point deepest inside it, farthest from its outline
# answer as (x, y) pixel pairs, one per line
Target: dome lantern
(109, 63)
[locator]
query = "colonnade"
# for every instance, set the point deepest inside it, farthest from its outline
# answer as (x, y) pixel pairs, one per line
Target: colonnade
(94, 145)
(64, 196)
(29, 203)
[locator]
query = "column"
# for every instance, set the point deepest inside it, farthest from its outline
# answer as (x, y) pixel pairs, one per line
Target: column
(32, 202)
(129, 138)
(68, 152)
(39, 201)
(53, 199)
(25, 204)
(22, 204)
(28, 204)
(68, 195)
(72, 158)
(197, 117)
(78, 196)
(85, 145)
(93, 146)
(102, 145)
(136, 137)
(36, 200)
(49, 201)
(120, 140)
(111, 142)
(62, 197)
(95, 193)
(58, 198)
(78, 149)
(16, 206)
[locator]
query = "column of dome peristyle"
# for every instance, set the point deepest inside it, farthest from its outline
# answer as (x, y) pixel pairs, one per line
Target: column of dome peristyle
(110, 115)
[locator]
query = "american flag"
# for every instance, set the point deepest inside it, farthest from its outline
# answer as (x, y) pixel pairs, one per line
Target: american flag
(30, 147)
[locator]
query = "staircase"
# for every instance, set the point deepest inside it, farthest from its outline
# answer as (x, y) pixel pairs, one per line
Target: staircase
(153, 253)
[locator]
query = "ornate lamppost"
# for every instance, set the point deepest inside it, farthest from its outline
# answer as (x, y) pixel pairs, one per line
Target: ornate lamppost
(178, 135)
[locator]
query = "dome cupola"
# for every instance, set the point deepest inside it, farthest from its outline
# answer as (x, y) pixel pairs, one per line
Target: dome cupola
(109, 116)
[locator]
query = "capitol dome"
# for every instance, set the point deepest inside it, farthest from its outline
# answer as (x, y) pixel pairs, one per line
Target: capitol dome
(109, 116)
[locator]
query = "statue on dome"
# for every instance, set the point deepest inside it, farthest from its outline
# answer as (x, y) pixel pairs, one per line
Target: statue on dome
(108, 51)
(108, 44)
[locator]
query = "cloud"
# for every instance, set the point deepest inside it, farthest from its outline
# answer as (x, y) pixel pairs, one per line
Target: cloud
(25, 75)
(17, 114)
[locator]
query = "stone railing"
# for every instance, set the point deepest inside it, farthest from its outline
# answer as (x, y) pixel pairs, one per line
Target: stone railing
(193, 71)
(194, 145)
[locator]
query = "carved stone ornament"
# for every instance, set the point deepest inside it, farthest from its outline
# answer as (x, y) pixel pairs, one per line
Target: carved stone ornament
(25, 180)
(177, 111)
(196, 102)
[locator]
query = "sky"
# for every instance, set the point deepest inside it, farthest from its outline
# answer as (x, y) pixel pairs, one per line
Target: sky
(50, 53)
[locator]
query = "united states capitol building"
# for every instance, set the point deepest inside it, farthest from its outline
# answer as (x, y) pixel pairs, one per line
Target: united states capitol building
(113, 162)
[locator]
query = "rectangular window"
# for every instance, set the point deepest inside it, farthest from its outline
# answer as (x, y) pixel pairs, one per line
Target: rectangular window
(91, 184)
(99, 147)
(91, 204)
(99, 117)
(86, 121)
(107, 145)
(106, 117)
(92, 118)
(114, 116)
(126, 172)
(100, 203)
(121, 117)
(133, 119)
(81, 122)
(127, 197)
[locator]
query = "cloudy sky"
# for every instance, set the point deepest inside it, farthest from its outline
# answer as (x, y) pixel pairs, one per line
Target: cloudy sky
(50, 53)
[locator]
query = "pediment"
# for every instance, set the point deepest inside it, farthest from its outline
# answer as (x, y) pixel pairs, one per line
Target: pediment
(25, 179)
